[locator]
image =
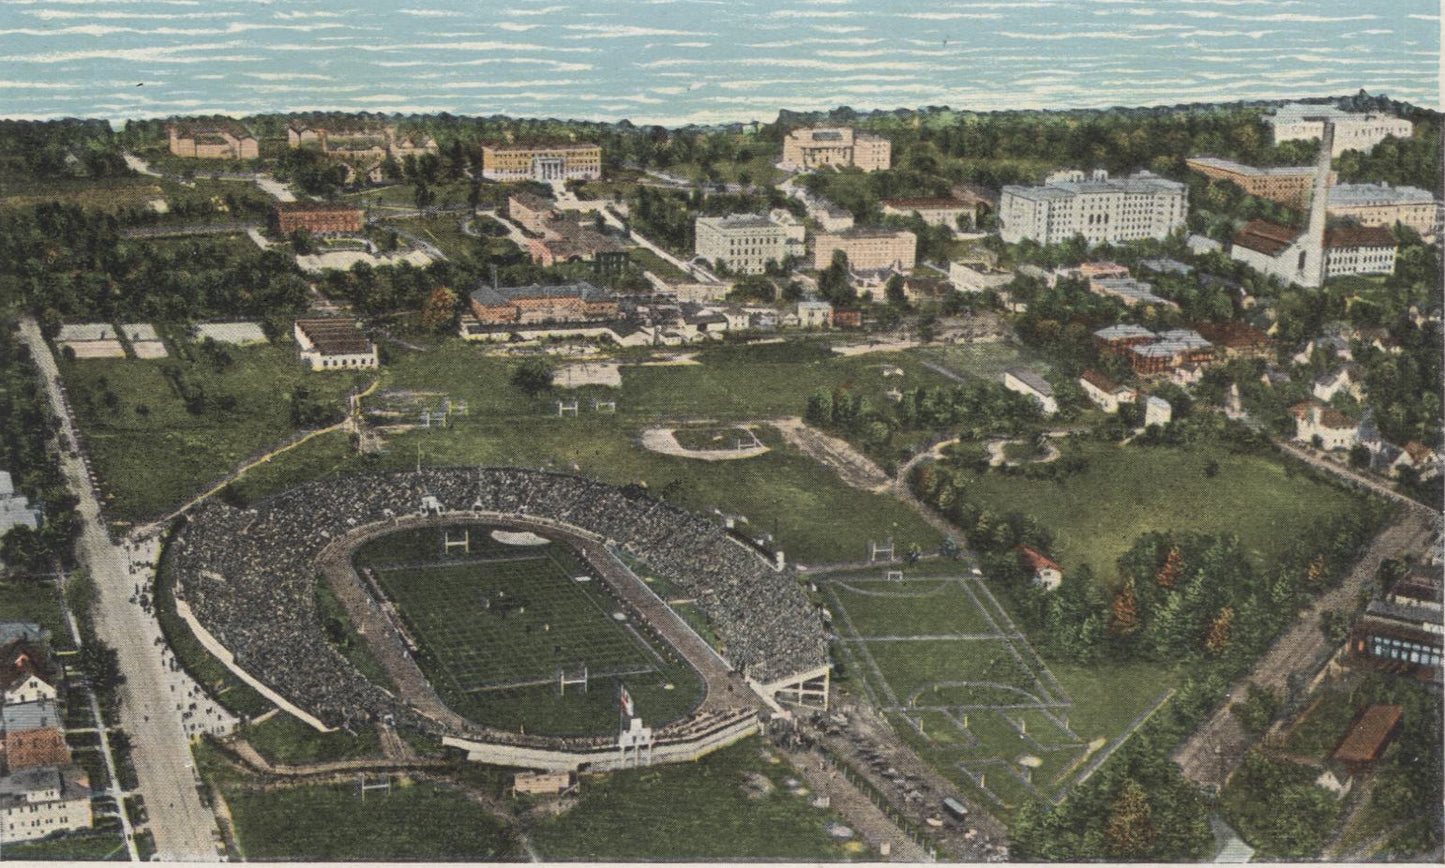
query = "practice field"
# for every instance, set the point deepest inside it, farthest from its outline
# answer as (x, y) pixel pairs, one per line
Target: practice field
(497, 622)
(942, 659)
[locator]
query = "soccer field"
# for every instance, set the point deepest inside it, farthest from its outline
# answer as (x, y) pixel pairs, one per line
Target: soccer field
(495, 623)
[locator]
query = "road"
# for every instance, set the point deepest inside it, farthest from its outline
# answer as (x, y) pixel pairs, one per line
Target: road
(1217, 748)
(183, 827)
(164, 231)
(1374, 486)
(697, 271)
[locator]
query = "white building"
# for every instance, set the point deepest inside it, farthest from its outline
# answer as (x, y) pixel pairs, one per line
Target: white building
(1101, 210)
(814, 314)
(746, 243)
(1353, 131)
(1027, 382)
(41, 801)
(15, 508)
(334, 343)
(1157, 411)
(1106, 394)
(1335, 429)
(976, 277)
(1384, 205)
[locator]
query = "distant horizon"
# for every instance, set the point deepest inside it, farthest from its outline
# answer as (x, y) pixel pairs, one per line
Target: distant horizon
(698, 62)
(119, 123)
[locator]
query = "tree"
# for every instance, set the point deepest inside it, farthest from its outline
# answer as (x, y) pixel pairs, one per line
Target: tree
(1316, 571)
(1335, 626)
(1169, 573)
(893, 291)
(1256, 710)
(1124, 613)
(1129, 832)
(440, 309)
(533, 377)
(1217, 639)
(24, 549)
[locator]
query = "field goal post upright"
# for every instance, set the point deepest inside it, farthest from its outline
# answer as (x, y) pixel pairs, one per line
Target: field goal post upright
(576, 678)
(364, 783)
(566, 406)
(893, 575)
(880, 550)
(604, 405)
(464, 542)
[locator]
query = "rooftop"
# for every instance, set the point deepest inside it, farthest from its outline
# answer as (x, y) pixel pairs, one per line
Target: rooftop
(1258, 171)
(335, 336)
(487, 295)
(1360, 236)
(1377, 194)
(925, 203)
(1123, 331)
(308, 206)
(1101, 382)
(1032, 379)
(1265, 237)
(25, 716)
(739, 221)
(1370, 735)
(1037, 560)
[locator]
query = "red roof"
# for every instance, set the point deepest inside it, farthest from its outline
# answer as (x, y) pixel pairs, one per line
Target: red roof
(1101, 382)
(1266, 237)
(19, 660)
(1370, 735)
(1329, 416)
(1037, 561)
(1359, 236)
(1233, 335)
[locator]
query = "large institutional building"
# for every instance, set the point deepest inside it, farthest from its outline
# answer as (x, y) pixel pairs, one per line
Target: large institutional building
(1353, 131)
(568, 161)
(534, 305)
(746, 243)
(38, 802)
(868, 249)
(334, 343)
(835, 146)
(1288, 185)
(221, 140)
(935, 211)
(1142, 205)
(1383, 205)
(360, 142)
(319, 218)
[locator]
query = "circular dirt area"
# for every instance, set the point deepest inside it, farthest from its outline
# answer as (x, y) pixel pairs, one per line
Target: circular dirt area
(712, 443)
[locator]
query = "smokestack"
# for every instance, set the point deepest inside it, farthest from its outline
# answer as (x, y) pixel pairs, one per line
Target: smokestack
(1312, 260)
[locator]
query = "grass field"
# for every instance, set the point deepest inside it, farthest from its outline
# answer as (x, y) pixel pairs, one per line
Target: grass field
(287, 741)
(1130, 490)
(325, 822)
(691, 812)
(941, 656)
(91, 846)
(37, 602)
(495, 624)
(151, 453)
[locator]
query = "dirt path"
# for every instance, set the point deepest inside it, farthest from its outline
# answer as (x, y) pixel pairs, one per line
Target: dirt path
(852, 466)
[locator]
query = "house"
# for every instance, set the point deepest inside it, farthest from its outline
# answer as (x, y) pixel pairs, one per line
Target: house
(1334, 346)
(1274, 376)
(1175, 348)
(1187, 374)
(1129, 291)
(1367, 739)
(1027, 382)
(38, 802)
(334, 343)
(23, 675)
(1334, 429)
(1046, 573)
(1106, 394)
(1346, 378)
(814, 314)
(31, 736)
(11, 631)
(850, 318)
(572, 240)
(15, 508)
(1157, 411)
(1236, 339)
(1419, 457)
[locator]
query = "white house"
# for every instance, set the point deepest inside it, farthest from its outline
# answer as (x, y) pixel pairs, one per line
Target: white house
(1345, 378)
(1027, 382)
(1157, 411)
(1335, 429)
(815, 314)
(1047, 574)
(1106, 394)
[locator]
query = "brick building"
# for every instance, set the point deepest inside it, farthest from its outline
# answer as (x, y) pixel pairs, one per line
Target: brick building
(868, 249)
(1288, 185)
(212, 140)
(535, 304)
(318, 218)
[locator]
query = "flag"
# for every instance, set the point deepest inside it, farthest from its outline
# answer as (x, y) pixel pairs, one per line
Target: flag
(625, 700)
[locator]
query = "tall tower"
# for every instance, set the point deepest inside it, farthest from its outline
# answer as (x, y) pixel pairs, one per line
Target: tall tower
(1310, 247)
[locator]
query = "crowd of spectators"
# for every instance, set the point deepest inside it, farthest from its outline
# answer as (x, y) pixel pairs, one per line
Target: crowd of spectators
(249, 576)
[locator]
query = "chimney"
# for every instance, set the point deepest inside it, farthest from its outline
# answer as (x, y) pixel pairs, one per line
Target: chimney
(1312, 257)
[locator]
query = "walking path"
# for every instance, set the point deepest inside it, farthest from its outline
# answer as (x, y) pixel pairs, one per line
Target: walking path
(1351, 477)
(184, 829)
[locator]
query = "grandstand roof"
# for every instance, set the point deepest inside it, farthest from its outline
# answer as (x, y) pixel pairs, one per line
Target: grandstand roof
(334, 336)
(489, 296)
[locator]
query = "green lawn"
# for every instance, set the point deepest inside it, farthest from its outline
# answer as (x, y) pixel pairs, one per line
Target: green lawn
(1130, 490)
(37, 602)
(984, 361)
(692, 812)
(914, 607)
(286, 740)
(90, 846)
(152, 454)
(323, 822)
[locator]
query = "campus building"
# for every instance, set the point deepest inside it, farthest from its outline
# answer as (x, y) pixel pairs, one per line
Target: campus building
(38, 802)
(318, 218)
(1173, 349)
(746, 243)
(1267, 247)
(531, 212)
(1383, 205)
(1101, 210)
(563, 161)
(219, 140)
(1288, 185)
(536, 304)
(1105, 393)
(934, 211)
(868, 249)
(1353, 131)
(1030, 383)
(15, 508)
(334, 343)
(835, 146)
(360, 141)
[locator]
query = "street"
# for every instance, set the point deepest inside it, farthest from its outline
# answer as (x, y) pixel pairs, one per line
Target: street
(152, 713)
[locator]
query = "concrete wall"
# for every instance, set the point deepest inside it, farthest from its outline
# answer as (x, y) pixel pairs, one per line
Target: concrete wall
(602, 760)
